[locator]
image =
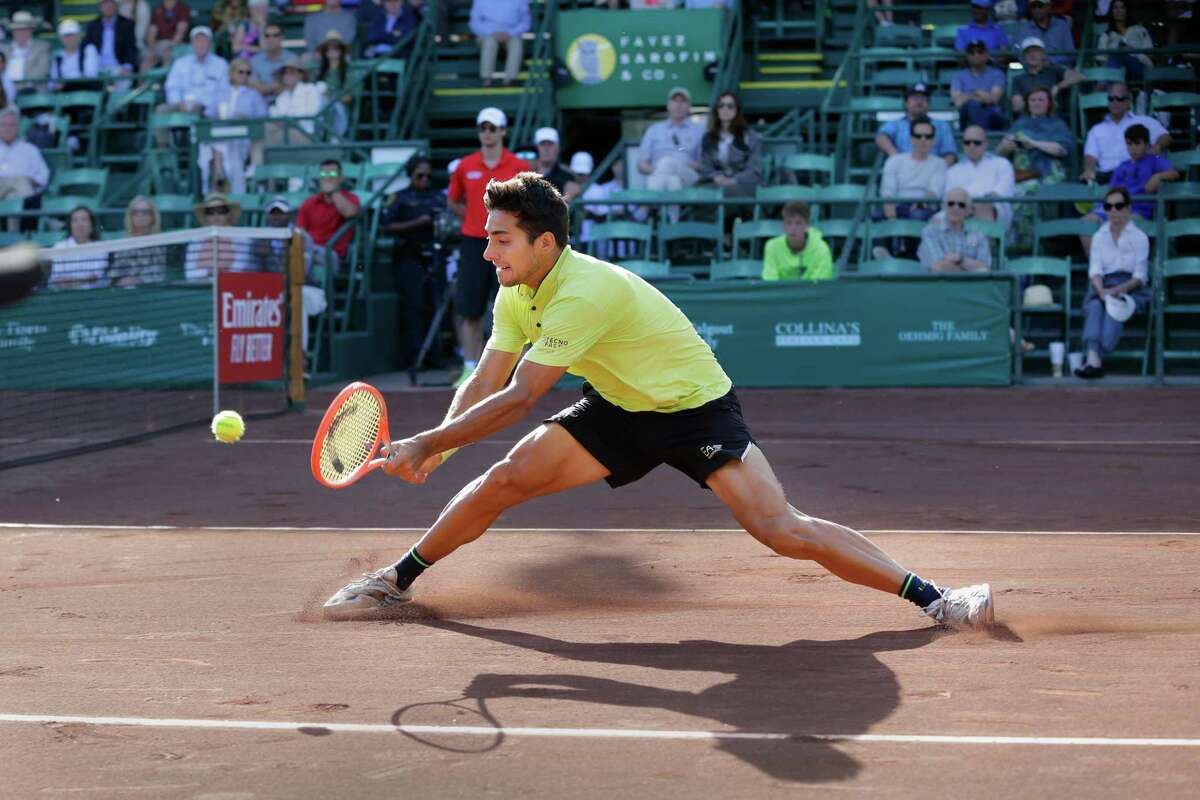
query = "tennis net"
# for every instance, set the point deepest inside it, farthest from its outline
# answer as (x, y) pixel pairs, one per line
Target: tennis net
(132, 337)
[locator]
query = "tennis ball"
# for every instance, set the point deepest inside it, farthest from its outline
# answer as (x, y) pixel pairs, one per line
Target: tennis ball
(228, 426)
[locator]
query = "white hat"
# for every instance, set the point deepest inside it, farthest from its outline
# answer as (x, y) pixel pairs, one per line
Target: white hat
(1032, 41)
(582, 163)
(453, 165)
(200, 30)
(1120, 307)
(69, 27)
(493, 115)
(545, 135)
(1038, 294)
(279, 203)
(22, 19)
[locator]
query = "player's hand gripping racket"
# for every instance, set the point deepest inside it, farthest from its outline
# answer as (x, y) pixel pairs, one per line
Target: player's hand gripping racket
(348, 440)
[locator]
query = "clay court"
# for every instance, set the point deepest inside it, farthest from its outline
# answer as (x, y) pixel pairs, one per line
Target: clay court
(163, 638)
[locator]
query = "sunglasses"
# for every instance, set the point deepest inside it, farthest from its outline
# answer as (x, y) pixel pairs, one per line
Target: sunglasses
(488, 127)
(956, 204)
(329, 173)
(215, 210)
(1118, 206)
(1118, 98)
(726, 104)
(422, 175)
(241, 72)
(922, 136)
(140, 211)
(973, 142)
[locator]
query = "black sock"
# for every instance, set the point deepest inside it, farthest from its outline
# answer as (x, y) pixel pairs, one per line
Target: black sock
(409, 568)
(919, 591)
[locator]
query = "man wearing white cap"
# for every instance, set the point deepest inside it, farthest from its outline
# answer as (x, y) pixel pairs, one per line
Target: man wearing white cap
(27, 59)
(1041, 72)
(546, 140)
(476, 282)
(670, 149)
(115, 39)
(194, 79)
(74, 62)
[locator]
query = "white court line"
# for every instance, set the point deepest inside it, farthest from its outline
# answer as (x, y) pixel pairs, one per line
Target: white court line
(875, 440)
(336, 529)
(595, 733)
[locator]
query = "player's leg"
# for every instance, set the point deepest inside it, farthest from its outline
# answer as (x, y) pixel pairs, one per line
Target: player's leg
(547, 460)
(752, 492)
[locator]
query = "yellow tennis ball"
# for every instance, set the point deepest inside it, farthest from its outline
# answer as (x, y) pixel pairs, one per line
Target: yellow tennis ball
(228, 426)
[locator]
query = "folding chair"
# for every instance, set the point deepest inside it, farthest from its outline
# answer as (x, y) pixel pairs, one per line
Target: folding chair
(1178, 296)
(738, 269)
(753, 234)
(891, 266)
(1057, 269)
(819, 169)
(639, 236)
(706, 242)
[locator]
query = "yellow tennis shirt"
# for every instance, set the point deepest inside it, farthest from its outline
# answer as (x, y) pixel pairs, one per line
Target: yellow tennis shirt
(614, 330)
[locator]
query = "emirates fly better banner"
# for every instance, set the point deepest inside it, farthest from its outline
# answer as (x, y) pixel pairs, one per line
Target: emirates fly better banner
(250, 314)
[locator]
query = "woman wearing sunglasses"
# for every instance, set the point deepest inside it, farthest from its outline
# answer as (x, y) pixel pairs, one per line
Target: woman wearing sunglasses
(1117, 268)
(731, 151)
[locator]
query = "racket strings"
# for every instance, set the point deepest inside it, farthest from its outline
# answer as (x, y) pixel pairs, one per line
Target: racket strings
(352, 437)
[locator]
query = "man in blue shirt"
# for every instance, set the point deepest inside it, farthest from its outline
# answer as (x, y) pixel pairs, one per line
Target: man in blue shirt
(981, 29)
(1055, 32)
(896, 136)
(978, 90)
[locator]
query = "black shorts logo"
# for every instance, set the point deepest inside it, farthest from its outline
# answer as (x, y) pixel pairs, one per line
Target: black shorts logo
(710, 450)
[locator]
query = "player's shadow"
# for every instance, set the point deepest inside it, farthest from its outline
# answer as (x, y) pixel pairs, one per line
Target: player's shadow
(803, 687)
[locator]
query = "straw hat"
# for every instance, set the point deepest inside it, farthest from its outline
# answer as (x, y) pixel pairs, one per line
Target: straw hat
(23, 19)
(332, 38)
(215, 200)
(292, 60)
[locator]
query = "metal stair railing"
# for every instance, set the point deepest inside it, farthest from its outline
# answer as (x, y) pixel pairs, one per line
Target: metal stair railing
(538, 106)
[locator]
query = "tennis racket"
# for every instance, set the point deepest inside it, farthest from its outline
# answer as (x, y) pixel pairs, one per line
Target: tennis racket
(348, 440)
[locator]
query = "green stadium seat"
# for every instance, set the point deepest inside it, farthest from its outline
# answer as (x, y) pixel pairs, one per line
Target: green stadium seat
(1068, 229)
(1057, 269)
(995, 230)
(176, 211)
(90, 180)
(1178, 274)
(898, 36)
(34, 102)
(62, 206)
(1186, 161)
(738, 269)
(1103, 74)
(705, 242)
(1182, 106)
(891, 266)
(647, 269)
(633, 232)
(1180, 230)
(811, 166)
(752, 234)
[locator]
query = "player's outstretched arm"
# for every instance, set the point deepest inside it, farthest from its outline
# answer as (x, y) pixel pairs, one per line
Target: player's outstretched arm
(408, 458)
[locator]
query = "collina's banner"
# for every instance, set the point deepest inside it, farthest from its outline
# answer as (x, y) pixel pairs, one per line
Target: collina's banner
(870, 332)
(633, 58)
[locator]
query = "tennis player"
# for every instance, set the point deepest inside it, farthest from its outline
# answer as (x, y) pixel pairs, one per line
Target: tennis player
(654, 394)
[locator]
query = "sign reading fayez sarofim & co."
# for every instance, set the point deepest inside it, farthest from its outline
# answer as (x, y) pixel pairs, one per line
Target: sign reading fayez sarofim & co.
(632, 58)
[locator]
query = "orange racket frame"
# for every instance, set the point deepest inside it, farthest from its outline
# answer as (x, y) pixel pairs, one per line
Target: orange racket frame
(332, 418)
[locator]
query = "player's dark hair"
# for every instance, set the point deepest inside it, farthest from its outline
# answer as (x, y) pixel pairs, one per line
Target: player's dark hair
(797, 208)
(1137, 133)
(534, 201)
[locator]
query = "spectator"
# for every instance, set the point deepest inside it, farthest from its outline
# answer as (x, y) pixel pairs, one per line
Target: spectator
(329, 209)
(670, 149)
(1124, 32)
(137, 12)
(252, 31)
(444, 9)
(977, 91)
(271, 255)
(317, 26)
(983, 175)
(1054, 32)
(74, 62)
(498, 22)
(1104, 149)
(1040, 72)
(297, 98)
(217, 253)
(115, 38)
(946, 244)
(1038, 144)
(731, 151)
(88, 272)
(1142, 173)
(911, 175)
(896, 136)
(6, 85)
(334, 58)
(230, 22)
(801, 253)
(1117, 265)
(23, 171)
(196, 79)
(223, 163)
(582, 165)
(389, 28)
(168, 26)
(267, 61)
(476, 283)
(26, 58)
(883, 12)
(547, 164)
(145, 264)
(981, 29)
(411, 218)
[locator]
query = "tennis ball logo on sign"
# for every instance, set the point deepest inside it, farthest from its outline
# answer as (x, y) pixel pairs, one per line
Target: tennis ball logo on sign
(591, 59)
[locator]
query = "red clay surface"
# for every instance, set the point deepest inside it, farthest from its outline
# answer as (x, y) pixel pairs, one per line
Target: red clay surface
(617, 630)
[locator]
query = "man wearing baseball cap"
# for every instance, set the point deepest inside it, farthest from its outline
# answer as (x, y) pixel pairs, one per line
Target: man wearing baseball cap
(115, 39)
(978, 89)
(1055, 32)
(981, 29)
(670, 149)
(75, 62)
(546, 140)
(1041, 72)
(476, 283)
(896, 136)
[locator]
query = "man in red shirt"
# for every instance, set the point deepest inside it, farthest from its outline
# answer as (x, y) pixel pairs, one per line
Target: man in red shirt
(327, 210)
(476, 283)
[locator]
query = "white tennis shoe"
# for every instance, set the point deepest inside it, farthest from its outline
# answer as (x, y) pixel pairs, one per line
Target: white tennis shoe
(374, 591)
(968, 607)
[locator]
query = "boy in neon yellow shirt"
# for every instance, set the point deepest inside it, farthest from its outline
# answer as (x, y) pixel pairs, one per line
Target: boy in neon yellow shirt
(801, 254)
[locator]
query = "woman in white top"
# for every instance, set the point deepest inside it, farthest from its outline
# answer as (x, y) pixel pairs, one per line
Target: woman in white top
(226, 160)
(1118, 266)
(299, 98)
(88, 272)
(77, 61)
(1123, 31)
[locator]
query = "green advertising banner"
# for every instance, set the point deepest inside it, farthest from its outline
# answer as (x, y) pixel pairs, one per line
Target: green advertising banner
(877, 332)
(633, 58)
(136, 338)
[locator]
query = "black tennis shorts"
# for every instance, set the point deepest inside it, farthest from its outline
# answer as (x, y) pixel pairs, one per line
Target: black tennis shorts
(475, 283)
(697, 442)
